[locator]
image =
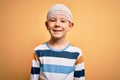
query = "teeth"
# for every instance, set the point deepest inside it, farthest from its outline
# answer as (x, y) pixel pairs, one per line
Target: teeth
(56, 30)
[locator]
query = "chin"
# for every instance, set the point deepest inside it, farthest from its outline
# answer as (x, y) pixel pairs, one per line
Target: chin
(57, 37)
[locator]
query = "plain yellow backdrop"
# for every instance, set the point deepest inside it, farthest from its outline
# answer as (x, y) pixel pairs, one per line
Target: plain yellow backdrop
(96, 32)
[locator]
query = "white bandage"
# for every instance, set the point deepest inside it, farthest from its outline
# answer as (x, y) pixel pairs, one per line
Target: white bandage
(60, 9)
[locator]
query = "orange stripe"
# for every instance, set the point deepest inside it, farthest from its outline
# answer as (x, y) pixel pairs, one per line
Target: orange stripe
(79, 60)
(35, 57)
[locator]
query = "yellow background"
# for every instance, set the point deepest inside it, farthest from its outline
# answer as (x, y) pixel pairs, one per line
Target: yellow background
(96, 32)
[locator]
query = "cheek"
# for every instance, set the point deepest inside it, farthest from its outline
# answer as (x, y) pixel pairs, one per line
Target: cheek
(68, 28)
(48, 27)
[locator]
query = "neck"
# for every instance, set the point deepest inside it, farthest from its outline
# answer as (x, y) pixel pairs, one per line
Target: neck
(57, 43)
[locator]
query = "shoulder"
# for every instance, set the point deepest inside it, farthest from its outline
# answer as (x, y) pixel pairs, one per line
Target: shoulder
(74, 48)
(41, 47)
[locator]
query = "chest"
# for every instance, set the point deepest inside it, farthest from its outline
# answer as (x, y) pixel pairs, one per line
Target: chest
(58, 58)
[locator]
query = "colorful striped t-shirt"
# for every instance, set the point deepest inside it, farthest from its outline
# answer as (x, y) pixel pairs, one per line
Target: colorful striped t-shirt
(51, 64)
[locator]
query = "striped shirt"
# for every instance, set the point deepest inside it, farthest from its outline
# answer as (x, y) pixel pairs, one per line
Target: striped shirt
(51, 64)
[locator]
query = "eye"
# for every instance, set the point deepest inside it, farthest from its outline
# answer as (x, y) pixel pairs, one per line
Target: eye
(63, 21)
(52, 20)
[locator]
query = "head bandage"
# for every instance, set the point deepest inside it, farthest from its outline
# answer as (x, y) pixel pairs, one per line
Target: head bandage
(59, 9)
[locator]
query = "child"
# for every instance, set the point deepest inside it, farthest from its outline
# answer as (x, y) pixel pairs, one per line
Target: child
(57, 59)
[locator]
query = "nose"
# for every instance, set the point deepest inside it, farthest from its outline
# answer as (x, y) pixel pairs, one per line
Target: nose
(57, 24)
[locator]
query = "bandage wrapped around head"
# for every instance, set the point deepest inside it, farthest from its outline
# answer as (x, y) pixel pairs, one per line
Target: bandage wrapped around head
(60, 9)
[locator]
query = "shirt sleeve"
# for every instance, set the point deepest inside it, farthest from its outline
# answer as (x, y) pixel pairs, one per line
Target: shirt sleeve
(79, 73)
(35, 68)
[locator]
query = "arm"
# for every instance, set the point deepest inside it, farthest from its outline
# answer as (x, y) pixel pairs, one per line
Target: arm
(35, 69)
(79, 73)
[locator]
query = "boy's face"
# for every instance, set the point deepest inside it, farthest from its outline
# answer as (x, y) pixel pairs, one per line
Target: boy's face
(58, 26)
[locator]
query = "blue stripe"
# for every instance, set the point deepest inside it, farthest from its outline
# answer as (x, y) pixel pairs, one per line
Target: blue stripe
(35, 70)
(56, 68)
(79, 74)
(63, 54)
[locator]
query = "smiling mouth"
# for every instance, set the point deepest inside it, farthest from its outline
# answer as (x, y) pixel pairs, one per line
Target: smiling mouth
(57, 30)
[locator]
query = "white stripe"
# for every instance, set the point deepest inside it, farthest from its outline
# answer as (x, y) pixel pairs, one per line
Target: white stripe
(34, 77)
(35, 63)
(57, 61)
(56, 76)
(81, 78)
(79, 66)
(74, 49)
(41, 47)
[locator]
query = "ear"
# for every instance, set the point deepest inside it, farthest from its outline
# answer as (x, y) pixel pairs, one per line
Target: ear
(71, 25)
(46, 24)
